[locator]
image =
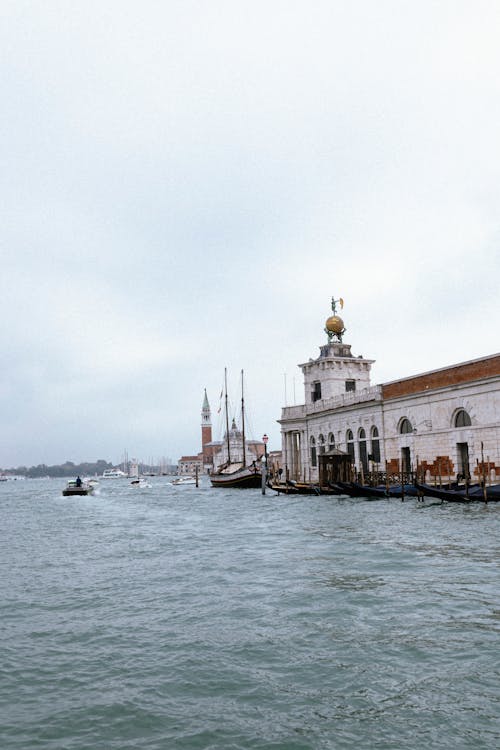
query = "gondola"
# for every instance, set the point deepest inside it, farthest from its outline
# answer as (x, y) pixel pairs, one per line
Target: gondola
(355, 489)
(476, 494)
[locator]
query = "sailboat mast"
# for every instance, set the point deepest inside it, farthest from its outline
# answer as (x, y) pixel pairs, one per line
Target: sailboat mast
(243, 421)
(227, 418)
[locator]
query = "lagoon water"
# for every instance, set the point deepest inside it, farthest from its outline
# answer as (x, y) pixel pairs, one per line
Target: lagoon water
(177, 617)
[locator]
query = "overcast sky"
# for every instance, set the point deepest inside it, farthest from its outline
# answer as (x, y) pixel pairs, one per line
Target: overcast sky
(186, 184)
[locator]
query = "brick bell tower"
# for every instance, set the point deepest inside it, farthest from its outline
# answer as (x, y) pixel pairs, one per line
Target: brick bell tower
(206, 432)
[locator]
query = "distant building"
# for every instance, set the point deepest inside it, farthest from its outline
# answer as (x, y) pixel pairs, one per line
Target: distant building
(230, 448)
(215, 453)
(203, 461)
(446, 421)
(190, 465)
(206, 435)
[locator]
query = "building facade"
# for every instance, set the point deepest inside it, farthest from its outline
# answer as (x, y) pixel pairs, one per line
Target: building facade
(190, 465)
(444, 422)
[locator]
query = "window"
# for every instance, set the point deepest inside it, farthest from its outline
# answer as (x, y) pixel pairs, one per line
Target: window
(375, 454)
(363, 456)
(313, 452)
(331, 442)
(350, 385)
(405, 426)
(321, 441)
(350, 443)
(462, 419)
(316, 391)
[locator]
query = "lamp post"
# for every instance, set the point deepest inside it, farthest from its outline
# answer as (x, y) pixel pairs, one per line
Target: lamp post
(264, 468)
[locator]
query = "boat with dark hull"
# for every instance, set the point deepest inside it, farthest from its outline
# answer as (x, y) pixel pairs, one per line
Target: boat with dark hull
(464, 495)
(75, 487)
(354, 489)
(236, 474)
(292, 487)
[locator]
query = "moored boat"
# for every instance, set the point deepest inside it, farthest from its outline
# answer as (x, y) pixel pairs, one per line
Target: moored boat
(464, 495)
(236, 474)
(292, 487)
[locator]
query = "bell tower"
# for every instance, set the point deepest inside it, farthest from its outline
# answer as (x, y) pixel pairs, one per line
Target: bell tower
(206, 432)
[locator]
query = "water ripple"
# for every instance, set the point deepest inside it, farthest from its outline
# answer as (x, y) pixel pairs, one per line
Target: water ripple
(199, 618)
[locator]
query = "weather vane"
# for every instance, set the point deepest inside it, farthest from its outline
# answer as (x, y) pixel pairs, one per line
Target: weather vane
(334, 327)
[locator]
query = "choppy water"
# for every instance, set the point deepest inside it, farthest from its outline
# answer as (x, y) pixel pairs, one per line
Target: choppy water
(198, 618)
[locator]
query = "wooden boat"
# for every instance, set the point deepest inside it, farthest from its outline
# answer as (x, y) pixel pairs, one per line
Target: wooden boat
(396, 490)
(291, 487)
(354, 489)
(236, 474)
(75, 488)
(465, 495)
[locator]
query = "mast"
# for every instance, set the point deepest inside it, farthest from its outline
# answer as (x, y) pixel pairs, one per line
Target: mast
(243, 422)
(227, 419)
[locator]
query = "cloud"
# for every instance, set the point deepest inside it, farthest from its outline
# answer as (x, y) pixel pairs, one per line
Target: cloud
(185, 186)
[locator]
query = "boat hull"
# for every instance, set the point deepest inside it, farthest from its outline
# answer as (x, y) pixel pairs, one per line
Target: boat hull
(476, 494)
(300, 488)
(240, 479)
(69, 491)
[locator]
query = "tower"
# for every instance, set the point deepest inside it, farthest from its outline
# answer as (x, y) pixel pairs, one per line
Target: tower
(206, 432)
(336, 371)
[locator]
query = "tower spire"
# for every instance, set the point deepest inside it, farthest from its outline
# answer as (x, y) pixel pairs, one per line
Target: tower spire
(206, 431)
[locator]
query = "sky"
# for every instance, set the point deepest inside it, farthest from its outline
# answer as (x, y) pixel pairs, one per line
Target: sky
(185, 186)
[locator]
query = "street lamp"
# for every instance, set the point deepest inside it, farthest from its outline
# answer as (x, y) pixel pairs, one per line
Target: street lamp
(264, 468)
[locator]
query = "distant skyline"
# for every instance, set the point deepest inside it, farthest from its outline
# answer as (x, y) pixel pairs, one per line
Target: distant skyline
(186, 185)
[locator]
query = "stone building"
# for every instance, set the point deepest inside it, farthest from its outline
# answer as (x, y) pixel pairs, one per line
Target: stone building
(190, 465)
(446, 421)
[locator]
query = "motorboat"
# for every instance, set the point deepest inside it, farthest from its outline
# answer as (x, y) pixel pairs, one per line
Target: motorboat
(184, 480)
(140, 483)
(75, 487)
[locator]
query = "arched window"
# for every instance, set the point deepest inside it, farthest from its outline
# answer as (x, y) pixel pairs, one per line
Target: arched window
(321, 446)
(350, 443)
(375, 445)
(405, 426)
(462, 419)
(313, 453)
(363, 454)
(331, 442)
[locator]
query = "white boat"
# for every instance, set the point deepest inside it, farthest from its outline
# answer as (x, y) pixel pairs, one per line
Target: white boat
(184, 480)
(140, 483)
(113, 474)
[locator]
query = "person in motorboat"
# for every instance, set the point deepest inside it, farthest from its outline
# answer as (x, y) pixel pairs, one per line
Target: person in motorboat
(78, 482)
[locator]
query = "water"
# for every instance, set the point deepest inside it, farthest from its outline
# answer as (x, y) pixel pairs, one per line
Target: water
(176, 617)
